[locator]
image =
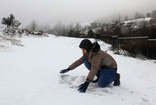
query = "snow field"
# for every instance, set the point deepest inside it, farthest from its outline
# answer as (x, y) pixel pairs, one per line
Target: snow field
(29, 75)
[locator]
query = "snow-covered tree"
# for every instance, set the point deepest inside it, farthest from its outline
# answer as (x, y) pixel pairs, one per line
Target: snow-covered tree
(126, 18)
(16, 23)
(138, 15)
(93, 24)
(148, 14)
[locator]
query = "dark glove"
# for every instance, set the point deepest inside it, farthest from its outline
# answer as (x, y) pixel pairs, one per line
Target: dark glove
(64, 70)
(83, 87)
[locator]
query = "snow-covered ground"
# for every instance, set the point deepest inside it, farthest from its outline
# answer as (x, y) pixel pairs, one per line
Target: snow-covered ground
(29, 75)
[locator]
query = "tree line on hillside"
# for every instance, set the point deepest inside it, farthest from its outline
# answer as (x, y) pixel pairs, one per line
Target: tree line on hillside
(115, 27)
(139, 25)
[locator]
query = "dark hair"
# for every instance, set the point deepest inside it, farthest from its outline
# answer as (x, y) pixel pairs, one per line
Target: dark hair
(86, 44)
(96, 47)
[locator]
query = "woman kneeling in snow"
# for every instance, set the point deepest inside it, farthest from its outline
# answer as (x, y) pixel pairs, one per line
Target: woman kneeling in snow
(98, 63)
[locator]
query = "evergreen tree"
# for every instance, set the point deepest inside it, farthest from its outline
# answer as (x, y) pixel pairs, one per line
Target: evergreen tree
(90, 33)
(8, 21)
(73, 33)
(70, 33)
(76, 34)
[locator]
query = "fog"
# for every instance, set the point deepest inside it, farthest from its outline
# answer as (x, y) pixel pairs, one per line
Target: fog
(52, 11)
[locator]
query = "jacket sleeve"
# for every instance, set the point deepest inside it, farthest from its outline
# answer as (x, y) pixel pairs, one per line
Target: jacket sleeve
(77, 63)
(95, 63)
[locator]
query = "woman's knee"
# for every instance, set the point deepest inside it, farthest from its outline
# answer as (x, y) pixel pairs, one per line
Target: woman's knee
(102, 84)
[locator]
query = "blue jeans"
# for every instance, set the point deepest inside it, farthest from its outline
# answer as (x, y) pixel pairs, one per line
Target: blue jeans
(107, 76)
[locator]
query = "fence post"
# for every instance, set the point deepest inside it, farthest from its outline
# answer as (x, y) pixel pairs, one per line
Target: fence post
(115, 42)
(147, 49)
(113, 38)
(117, 45)
(110, 39)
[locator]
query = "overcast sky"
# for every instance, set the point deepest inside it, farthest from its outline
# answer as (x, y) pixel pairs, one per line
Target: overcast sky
(50, 11)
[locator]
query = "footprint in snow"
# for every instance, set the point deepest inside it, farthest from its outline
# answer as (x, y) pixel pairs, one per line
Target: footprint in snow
(75, 81)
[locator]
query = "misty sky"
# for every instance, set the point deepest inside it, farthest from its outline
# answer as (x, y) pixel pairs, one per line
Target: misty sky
(50, 11)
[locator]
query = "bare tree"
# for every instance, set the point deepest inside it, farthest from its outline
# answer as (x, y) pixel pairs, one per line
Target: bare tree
(138, 15)
(126, 18)
(154, 14)
(78, 27)
(33, 26)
